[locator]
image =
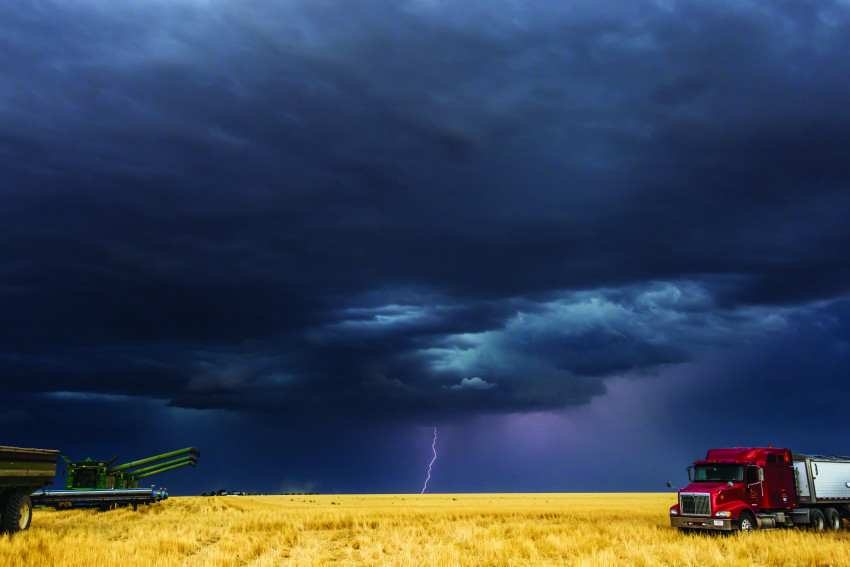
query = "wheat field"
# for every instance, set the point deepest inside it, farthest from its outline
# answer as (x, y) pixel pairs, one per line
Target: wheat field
(483, 529)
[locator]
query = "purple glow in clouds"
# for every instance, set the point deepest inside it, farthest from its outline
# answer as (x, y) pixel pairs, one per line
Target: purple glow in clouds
(433, 448)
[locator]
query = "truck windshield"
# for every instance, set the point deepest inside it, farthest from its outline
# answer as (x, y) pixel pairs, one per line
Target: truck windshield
(718, 473)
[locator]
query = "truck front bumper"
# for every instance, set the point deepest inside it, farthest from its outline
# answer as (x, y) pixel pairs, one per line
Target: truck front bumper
(703, 523)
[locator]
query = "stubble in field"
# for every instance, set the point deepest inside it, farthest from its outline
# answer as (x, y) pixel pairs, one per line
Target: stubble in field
(518, 529)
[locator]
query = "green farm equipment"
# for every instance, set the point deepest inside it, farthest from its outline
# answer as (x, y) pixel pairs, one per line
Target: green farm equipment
(99, 484)
(90, 474)
(22, 472)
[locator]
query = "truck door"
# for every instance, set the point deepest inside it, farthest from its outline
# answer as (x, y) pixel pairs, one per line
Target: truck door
(754, 486)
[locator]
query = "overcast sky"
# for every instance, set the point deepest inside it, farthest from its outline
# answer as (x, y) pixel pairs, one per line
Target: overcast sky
(585, 240)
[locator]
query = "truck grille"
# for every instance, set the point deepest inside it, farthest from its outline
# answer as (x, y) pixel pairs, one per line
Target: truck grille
(695, 504)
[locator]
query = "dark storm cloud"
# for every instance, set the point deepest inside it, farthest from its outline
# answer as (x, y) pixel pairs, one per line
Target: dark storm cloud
(411, 208)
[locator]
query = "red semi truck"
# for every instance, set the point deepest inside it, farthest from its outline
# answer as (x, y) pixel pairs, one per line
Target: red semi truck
(763, 487)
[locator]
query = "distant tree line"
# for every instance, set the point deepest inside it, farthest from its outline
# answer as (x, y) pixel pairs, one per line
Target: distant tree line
(225, 492)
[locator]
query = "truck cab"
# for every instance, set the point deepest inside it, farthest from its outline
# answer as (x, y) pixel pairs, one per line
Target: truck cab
(737, 488)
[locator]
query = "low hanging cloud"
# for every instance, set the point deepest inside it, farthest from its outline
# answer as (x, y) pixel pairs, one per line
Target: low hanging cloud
(552, 353)
(474, 383)
(604, 333)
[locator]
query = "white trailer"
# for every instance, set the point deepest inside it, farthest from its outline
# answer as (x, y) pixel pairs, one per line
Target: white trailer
(821, 481)
(822, 478)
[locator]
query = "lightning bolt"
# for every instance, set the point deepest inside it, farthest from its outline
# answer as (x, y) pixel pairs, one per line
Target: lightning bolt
(433, 448)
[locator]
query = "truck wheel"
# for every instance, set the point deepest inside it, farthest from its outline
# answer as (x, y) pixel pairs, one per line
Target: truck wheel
(817, 521)
(747, 522)
(17, 512)
(833, 519)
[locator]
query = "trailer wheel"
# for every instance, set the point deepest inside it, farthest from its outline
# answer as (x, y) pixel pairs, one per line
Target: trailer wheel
(747, 522)
(833, 519)
(817, 521)
(17, 512)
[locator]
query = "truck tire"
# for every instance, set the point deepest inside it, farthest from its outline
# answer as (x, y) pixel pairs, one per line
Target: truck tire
(17, 512)
(832, 518)
(747, 522)
(816, 520)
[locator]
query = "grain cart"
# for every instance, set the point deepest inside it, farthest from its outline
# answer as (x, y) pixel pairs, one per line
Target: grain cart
(757, 488)
(22, 472)
(100, 484)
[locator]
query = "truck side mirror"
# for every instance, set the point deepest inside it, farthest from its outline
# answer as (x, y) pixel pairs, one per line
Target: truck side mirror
(670, 484)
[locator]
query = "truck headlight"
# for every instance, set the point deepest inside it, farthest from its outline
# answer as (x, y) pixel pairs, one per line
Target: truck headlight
(673, 511)
(722, 514)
